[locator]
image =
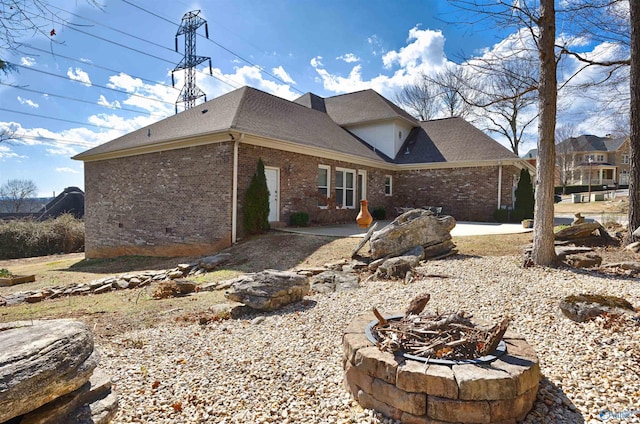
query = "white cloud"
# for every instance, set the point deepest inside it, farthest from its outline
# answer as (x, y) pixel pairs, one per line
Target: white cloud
(66, 170)
(28, 102)
(102, 101)
(349, 58)
(377, 48)
(7, 153)
(316, 61)
(423, 54)
(78, 74)
(283, 75)
(27, 61)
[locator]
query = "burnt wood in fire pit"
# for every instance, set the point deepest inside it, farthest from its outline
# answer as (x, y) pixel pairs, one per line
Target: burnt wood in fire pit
(434, 337)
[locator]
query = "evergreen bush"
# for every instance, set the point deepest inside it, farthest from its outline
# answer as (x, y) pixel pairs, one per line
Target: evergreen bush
(523, 208)
(256, 203)
(379, 213)
(299, 219)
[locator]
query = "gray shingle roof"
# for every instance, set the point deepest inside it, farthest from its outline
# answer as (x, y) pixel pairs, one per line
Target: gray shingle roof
(257, 113)
(363, 106)
(450, 140)
(591, 143)
(246, 110)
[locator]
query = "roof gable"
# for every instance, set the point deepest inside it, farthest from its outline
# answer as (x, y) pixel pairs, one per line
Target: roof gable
(363, 106)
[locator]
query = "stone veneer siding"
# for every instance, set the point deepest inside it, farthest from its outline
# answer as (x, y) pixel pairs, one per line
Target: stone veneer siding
(468, 194)
(171, 203)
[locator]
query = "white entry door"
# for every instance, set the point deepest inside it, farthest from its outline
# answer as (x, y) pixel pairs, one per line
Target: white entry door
(273, 184)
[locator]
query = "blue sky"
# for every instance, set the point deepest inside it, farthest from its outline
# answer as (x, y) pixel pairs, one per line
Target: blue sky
(108, 69)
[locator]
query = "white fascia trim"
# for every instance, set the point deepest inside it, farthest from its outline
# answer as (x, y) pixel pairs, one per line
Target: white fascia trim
(221, 137)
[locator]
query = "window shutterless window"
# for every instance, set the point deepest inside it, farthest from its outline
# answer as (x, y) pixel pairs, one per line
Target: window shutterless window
(388, 185)
(625, 158)
(345, 188)
(324, 184)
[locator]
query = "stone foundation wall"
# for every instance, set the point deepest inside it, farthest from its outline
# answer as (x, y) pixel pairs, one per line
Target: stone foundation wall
(419, 393)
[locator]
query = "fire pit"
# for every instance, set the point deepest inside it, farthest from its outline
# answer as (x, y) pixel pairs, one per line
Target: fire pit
(500, 387)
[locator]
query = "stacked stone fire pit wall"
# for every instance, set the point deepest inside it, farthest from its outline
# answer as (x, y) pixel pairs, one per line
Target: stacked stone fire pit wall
(502, 391)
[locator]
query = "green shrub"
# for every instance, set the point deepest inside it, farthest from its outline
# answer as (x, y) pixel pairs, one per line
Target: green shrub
(299, 219)
(523, 208)
(28, 238)
(501, 215)
(256, 203)
(379, 213)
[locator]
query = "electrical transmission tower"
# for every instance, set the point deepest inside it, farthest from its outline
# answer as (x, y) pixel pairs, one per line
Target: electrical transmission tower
(190, 92)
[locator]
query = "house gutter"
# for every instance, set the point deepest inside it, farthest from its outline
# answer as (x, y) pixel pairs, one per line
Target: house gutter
(234, 194)
(499, 184)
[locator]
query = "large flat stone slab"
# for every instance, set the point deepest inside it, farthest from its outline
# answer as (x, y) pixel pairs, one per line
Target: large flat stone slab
(41, 361)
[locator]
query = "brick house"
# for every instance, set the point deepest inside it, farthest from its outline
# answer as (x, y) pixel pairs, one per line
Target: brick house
(177, 186)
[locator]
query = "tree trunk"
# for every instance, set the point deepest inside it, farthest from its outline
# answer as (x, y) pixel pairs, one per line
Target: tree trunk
(543, 244)
(634, 143)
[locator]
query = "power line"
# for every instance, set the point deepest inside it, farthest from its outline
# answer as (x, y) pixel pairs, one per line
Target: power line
(97, 66)
(261, 69)
(58, 140)
(115, 29)
(80, 100)
(92, 84)
(60, 119)
(133, 49)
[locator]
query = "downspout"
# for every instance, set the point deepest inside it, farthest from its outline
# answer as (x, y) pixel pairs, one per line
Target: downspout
(234, 194)
(499, 185)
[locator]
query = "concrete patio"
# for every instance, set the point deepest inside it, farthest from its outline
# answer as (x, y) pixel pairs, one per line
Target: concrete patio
(462, 228)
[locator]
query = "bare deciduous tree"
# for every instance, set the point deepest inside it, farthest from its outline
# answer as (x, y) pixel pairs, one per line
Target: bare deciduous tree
(634, 143)
(565, 154)
(419, 99)
(14, 195)
(506, 89)
(453, 90)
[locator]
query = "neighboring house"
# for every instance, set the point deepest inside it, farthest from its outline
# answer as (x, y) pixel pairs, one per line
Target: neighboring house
(589, 159)
(177, 187)
(70, 201)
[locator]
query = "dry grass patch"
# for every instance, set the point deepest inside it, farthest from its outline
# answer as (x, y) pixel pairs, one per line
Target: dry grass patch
(493, 245)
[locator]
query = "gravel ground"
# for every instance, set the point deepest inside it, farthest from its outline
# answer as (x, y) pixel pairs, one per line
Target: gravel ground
(287, 367)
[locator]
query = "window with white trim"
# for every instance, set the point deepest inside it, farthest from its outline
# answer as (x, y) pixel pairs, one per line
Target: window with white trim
(324, 184)
(362, 184)
(346, 188)
(600, 158)
(625, 158)
(388, 185)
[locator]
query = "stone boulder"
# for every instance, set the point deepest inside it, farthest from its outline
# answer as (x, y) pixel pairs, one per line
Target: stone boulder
(210, 263)
(417, 227)
(174, 288)
(94, 402)
(332, 281)
(268, 290)
(41, 361)
(583, 307)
